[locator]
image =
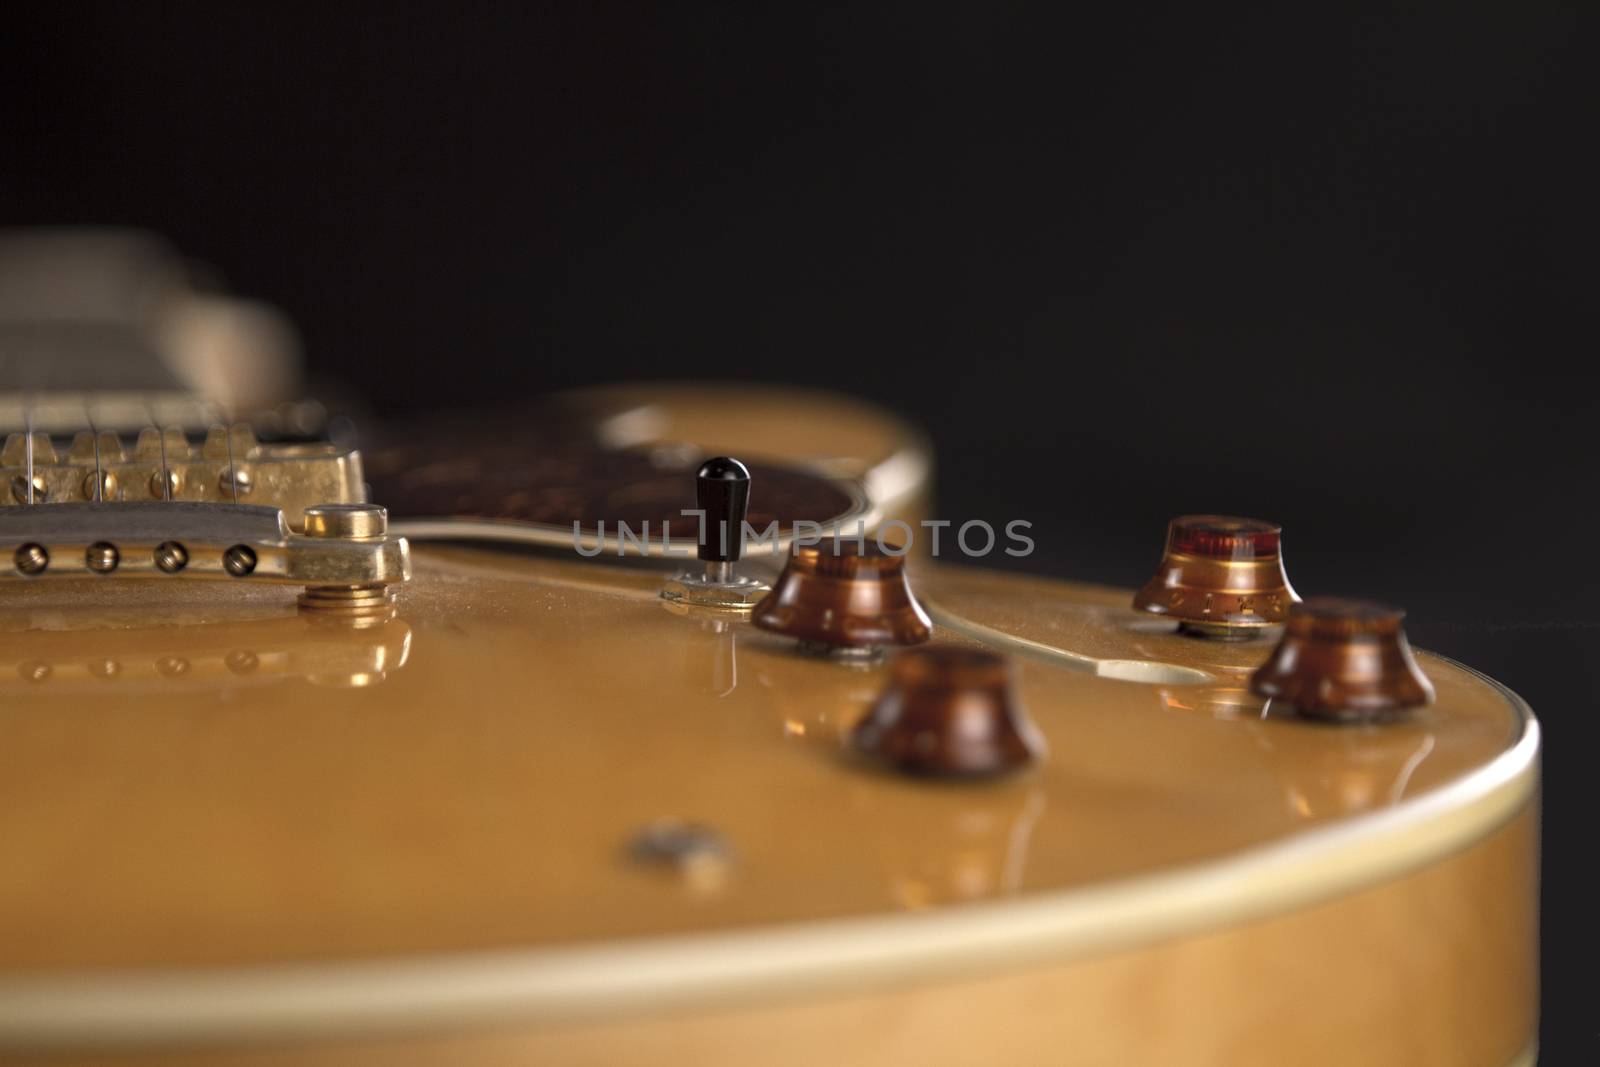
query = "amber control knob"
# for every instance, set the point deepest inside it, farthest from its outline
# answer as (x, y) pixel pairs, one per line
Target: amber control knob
(948, 712)
(844, 593)
(1343, 659)
(1220, 576)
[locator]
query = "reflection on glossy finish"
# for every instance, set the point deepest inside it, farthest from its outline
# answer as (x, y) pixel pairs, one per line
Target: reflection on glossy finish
(1366, 773)
(104, 669)
(713, 662)
(820, 715)
(971, 847)
(1219, 701)
(725, 666)
(172, 666)
(154, 659)
(1335, 772)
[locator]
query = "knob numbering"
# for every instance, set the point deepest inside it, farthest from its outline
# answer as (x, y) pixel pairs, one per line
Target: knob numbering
(1345, 660)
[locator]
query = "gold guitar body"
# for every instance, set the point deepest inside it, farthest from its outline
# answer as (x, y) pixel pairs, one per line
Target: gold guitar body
(235, 832)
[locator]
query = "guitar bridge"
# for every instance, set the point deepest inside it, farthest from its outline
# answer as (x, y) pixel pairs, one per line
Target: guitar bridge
(344, 556)
(229, 466)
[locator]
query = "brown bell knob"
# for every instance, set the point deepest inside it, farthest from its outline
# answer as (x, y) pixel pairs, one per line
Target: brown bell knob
(844, 593)
(1343, 659)
(1220, 576)
(948, 712)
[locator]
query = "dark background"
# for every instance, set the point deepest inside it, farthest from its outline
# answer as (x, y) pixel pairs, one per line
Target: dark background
(1310, 266)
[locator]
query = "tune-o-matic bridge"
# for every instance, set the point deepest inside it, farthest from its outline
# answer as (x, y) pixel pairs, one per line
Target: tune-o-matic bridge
(345, 557)
(229, 466)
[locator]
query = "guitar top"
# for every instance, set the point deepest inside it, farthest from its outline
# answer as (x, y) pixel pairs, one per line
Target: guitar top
(474, 777)
(477, 781)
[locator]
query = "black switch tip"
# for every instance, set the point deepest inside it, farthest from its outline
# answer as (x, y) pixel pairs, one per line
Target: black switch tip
(722, 490)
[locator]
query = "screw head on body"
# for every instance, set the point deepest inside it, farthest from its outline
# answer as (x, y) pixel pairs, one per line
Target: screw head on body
(31, 559)
(171, 557)
(102, 557)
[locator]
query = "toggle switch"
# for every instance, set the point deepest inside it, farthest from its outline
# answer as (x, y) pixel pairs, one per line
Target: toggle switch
(722, 494)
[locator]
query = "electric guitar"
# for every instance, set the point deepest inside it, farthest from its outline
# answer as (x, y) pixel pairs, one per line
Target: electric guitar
(405, 753)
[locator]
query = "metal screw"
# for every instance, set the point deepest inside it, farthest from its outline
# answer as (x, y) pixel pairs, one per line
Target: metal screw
(34, 671)
(19, 489)
(171, 557)
(102, 557)
(239, 560)
(106, 482)
(32, 559)
(698, 853)
(164, 484)
(241, 661)
(235, 480)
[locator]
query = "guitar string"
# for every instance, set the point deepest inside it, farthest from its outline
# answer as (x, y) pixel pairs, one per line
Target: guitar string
(207, 410)
(227, 420)
(233, 473)
(99, 479)
(161, 436)
(27, 429)
(223, 419)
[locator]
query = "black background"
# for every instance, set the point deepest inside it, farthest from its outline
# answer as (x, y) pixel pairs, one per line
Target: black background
(1310, 266)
